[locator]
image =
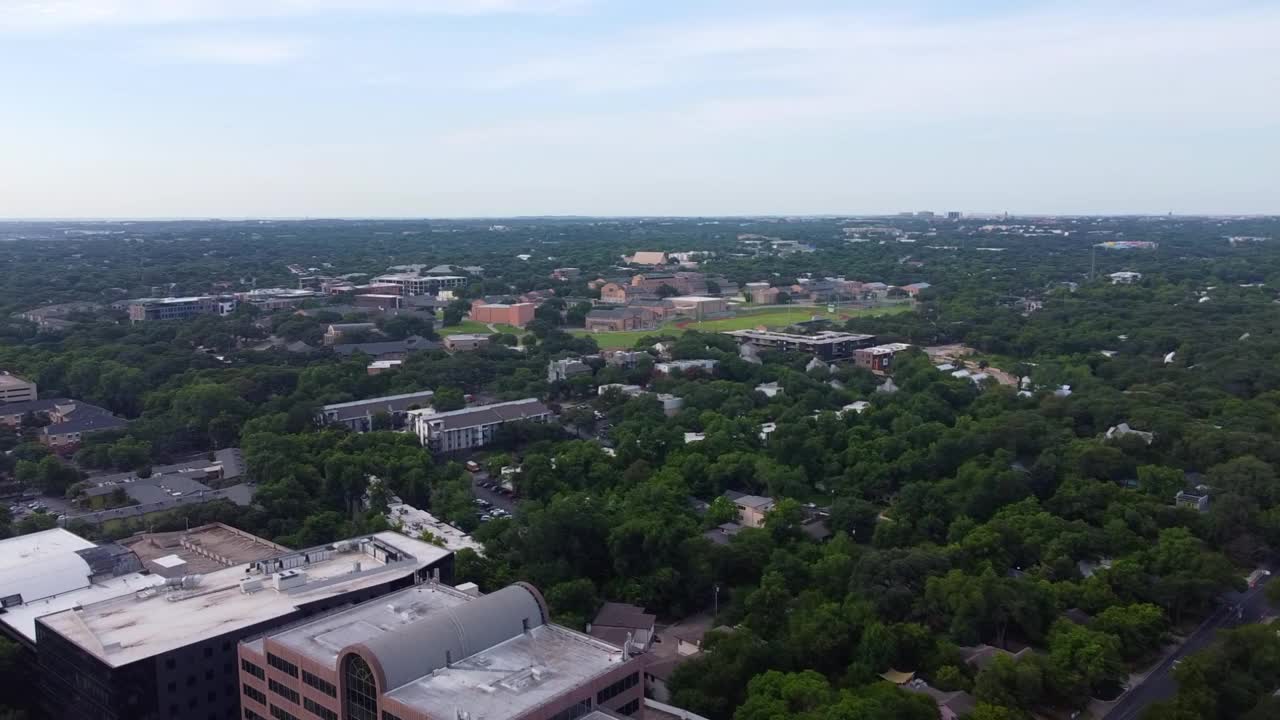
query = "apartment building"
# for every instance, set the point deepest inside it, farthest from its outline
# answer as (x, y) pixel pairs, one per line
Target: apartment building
(474, 426)
(827, 345)
(878, 359)
(358, 415)
(432, 652)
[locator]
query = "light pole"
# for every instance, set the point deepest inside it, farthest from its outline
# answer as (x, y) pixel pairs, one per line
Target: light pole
(717, 600)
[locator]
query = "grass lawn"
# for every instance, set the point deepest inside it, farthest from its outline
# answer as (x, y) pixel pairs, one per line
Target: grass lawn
(773, 317)
(475, 328)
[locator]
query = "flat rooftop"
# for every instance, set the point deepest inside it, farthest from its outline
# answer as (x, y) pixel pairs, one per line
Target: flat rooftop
(827, 337)
(140, 625)
(205, 549)
(513, 677)
(12, 381)
(415, 521)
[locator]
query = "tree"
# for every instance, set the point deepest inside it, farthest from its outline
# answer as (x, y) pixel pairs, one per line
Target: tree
(1140, 628)
(1082, 660)
(447, 399)
(1161, 482)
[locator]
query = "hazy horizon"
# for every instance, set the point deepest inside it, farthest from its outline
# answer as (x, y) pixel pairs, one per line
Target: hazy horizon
(420, 109)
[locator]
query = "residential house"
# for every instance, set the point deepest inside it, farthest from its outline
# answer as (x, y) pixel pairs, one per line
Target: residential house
(623, 625)
(1125, 277)
(751, 508)
(337, 333)
(1192, 499)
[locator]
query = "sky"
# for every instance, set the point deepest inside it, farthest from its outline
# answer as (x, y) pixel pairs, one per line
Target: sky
(456, 108)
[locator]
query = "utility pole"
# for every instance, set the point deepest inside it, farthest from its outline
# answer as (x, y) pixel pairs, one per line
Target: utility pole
(1093, 261)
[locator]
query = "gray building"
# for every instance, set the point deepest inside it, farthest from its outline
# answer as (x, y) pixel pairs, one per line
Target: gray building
(358, 415)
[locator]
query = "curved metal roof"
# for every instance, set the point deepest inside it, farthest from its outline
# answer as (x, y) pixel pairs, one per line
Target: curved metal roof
(451, 635)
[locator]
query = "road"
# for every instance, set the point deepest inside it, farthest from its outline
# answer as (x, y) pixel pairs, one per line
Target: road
(1160, 684)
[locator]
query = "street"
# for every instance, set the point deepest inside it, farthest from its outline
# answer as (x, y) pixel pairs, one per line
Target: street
(1160, 684)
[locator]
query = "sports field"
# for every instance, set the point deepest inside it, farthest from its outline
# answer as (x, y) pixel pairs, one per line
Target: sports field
(774, 317)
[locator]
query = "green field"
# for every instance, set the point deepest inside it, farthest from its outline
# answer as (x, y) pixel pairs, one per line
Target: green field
(470, 327)
(774, 317)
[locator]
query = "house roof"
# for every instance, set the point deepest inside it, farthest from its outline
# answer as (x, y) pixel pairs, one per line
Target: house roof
(623, 615)
(409, 344)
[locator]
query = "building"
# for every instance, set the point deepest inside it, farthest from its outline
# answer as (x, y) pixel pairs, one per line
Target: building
(465, 342)
(379, 301)
(566, 273)
(388, 349)
(954, 215)
(358, 415)
(1192, 499)
(564, 369)
(169, 650)
(878, 359)
(69, 420)
(625, 358)
(684, 283)
(181, 308)
(377, 367)
(58, 317)
(647, 257)
(339, 333)
(269, 299)
(433, 652)
(472, 427)
(700, 307)
(414, 284)
(619, 319)
(826, 345)
(914, 289)
(666, 368)
(14, 389)
(623, 625)
(760, 293)
(1125, 277)
(516, 314)
(751, 508)
(770, 389)
(194, 477)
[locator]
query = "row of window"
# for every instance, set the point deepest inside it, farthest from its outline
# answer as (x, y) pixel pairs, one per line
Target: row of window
(630, 708)
(282, 665)
(618, 688)
(279, 714)
(283, 691)
(319, 710)
(320, 684)
(251, 715)
(574, 712)
(253, 669)
(255, 694)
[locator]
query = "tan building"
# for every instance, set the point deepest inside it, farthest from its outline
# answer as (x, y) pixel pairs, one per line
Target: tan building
(699, 307)
(616, 293)
(517, 314)
(15, 389)
(619, 319)
(645, 257)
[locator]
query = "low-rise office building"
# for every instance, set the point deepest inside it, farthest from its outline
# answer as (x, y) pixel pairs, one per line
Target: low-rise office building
(432, 652)
(620, 319)
(474, 426)
(180, 308)
(827, 345)
(414, 284)
(168, 650)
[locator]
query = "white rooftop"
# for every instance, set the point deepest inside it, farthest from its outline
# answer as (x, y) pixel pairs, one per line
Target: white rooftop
(126, 629)
(414, 521)
(43, 564)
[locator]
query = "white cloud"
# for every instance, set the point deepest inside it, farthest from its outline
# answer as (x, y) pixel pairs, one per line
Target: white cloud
(20, 15)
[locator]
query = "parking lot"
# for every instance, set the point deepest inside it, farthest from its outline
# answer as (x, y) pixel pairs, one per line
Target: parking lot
(480, 481)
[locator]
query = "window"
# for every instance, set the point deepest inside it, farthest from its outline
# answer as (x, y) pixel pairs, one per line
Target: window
(630, 708)
(361, 690)
(388, 716)
(251, 715)
(279, 714)
(320, 684)
(255, 694)
(618, 688)
(319, 710)
(283, 691)
(254, 670)
(282, 665)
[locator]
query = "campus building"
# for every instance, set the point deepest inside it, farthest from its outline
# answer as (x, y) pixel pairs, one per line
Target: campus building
(878, 359)
(474, 426)
(166, 647)
(516, 314)
(827, 345)
(15, 389)
(180, 308)
(432, 652)
(414, 284)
